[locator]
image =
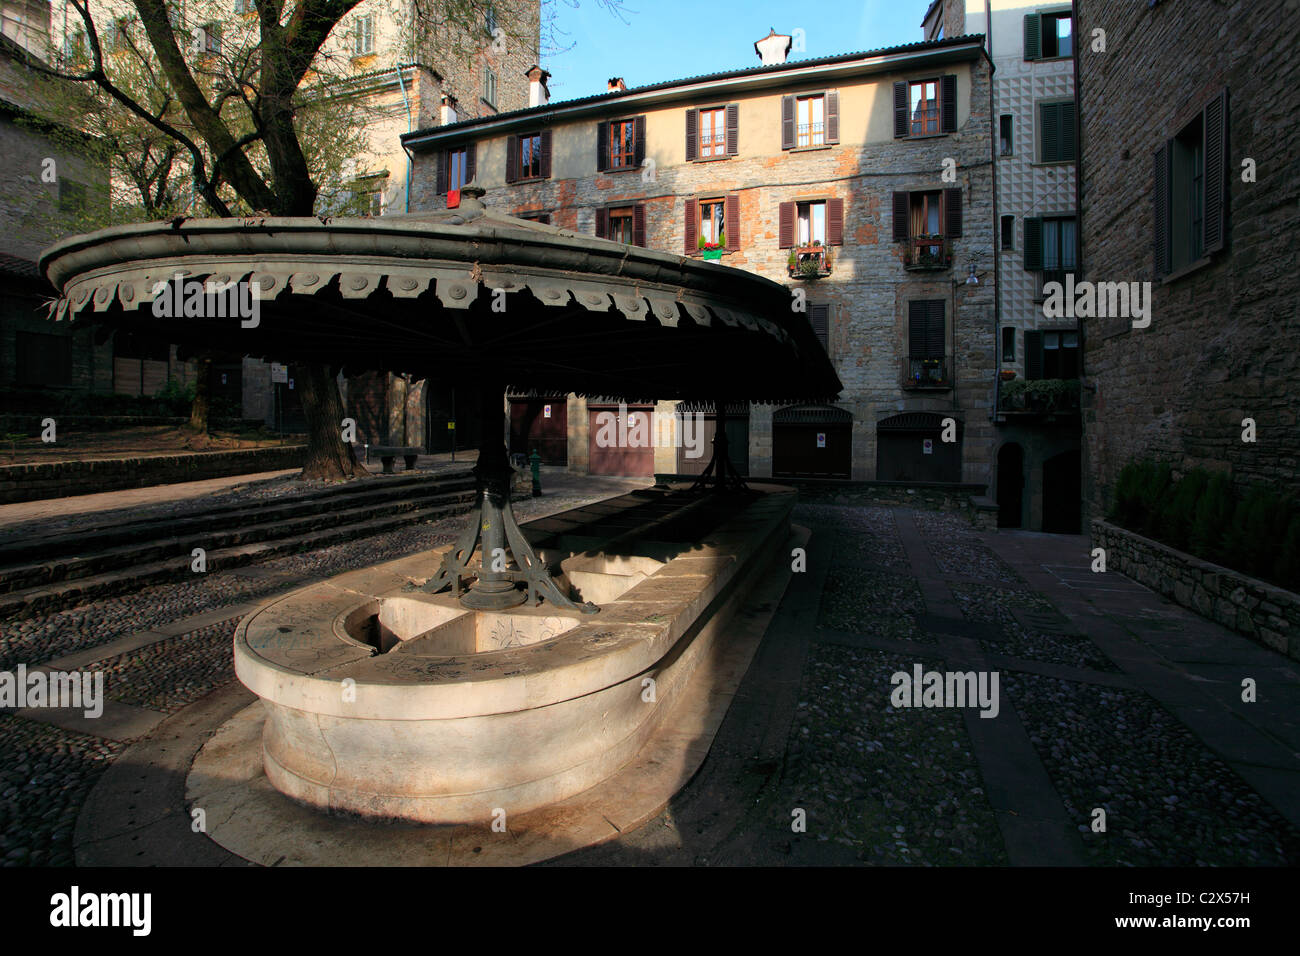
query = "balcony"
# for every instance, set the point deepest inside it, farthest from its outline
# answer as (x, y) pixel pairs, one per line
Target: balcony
(1044, 397)
(810, 262)
(927, 254)
(925, 372)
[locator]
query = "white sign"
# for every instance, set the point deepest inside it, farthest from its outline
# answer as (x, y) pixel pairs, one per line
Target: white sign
(927, 446)
(291, 385)
(279, 373)
(821, 439)
(546, 411)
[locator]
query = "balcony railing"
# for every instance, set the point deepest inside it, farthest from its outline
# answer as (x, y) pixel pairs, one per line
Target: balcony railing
(810, 134)
(926, 372)
(713, 144)
(810, 262)
(927, 252)
(1044, 396)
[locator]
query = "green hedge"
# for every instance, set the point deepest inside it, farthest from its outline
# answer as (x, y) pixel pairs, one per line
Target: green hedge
(1256, 533)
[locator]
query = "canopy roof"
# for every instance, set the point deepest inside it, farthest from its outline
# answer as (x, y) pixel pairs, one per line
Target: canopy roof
(465, 295)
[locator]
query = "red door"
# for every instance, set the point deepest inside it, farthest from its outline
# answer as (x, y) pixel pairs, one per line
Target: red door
(621, 443)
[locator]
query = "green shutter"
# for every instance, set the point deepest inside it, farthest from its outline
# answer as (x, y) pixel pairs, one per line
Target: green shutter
(1066, 141)
(1033, 355)
(1049, 132)
(1034, 244)
(1033, 36)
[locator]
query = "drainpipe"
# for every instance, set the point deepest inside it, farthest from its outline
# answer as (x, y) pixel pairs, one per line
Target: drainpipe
(407, 103)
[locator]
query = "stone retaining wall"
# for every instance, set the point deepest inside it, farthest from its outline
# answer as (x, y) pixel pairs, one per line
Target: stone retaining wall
(62, 478)
(1264, 612)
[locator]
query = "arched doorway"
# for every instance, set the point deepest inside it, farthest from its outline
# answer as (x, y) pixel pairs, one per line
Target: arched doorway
(812, 441)
(910, 447)
(1011, 485)
(1062, 492)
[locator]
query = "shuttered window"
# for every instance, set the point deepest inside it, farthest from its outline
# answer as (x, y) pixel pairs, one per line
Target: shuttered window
(712, 220)
(820, 317)
(816, 221)
(925, 323)
(935, 212)
(1049, 35)
(1056, 122)
(925, 107)
(809, 121)
(456, 167)
(1051, 246)
(528, 156)
(1190, 190)
(1051, 354)
(713, 132)
(622, 224)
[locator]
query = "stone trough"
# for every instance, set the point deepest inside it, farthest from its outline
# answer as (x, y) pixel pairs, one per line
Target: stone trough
(388, 702)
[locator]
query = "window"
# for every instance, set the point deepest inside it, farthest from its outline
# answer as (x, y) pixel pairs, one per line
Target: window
(925, 214)
(542, 217)
(1049, 35)
(490, 21)
(375, 202)
(1004, 134)
(1051, 354)
(208, 39)
(1008, 343)
(620, 224)
(1190, 191)
(530, 156)
(926, 343)
(117, 35)
(814, 220)
(1008, 232)
(363, 35)
(243, 7)
(72, 197)
(1056, 132)
(810, 121)
(819, 316)
(622, 144)
(713, 133)
(490, 87)
(812, 223)
(925, 107)
(712, 220)
(456, 167)
(1052, 247)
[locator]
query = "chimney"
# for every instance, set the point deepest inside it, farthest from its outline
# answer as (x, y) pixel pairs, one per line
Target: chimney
(538, 93)
(448, 109)
(616, 84)
(773, 48)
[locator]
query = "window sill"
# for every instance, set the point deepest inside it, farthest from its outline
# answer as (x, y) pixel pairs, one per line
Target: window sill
(811, 149)
(489, 105)
(926, 136)
(528, 180)
(620, 169)
(1058, 162)
(1187, 270)
(709, 159)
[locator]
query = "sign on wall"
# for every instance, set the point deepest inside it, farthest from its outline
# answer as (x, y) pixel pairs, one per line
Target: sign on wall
(927, 446)
(821, 439)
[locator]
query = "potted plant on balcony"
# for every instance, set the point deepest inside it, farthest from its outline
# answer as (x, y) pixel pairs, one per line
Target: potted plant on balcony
(928, 252)
(1008, 374)
(713, 250)
(811, 261)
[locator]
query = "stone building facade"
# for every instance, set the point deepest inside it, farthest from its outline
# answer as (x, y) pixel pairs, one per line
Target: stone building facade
(1037, 459)
(775, 158)
(1189, 146)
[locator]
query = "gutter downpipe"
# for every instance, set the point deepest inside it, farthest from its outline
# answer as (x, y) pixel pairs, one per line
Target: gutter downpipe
(407, 103)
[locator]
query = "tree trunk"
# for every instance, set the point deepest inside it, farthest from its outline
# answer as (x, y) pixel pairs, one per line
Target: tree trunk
(328, 456)
(199, 407)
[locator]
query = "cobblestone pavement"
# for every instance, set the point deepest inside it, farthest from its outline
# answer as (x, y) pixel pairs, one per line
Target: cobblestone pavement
(1107, 702)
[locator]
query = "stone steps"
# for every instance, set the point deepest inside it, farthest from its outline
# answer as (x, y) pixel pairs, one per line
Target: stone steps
(38, 587)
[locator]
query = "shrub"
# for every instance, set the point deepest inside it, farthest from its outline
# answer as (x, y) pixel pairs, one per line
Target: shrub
(1178, 511)
(1252, 541)
(1210, 521)
(1286, 570)
(1139, 493)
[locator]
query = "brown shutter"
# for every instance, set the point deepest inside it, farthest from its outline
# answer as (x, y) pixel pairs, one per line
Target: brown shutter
(833, 116)
(1215, 127)
(546, 154)
(733, 129)
(602, 146)
(602, 223)
(731, 221)
(1160, 210)
(638, 224)
(787, 122)
(639, 137)
(835, 222)
(917, 315)
(444, 159)
(692, 135)
(902, 125)
(512, 159)
(692, 226)
(785, 225)
(948, 104)
(935, 339)
(902, 216)
(471, 162)
(952, 213)
(819, 316)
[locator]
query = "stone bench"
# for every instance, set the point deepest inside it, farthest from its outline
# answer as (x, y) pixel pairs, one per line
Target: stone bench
(387, 453)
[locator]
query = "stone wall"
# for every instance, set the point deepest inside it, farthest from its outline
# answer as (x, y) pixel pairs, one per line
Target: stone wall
(1223, 343)
(64, 478)
(1263, 612)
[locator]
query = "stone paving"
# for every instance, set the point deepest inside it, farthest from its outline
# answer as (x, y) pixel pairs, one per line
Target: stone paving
(1110, 699)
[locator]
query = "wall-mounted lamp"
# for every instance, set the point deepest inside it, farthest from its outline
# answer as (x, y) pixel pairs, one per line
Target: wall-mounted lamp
(972, 278)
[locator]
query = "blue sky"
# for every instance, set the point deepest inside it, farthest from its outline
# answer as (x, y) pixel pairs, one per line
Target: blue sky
(670, 39)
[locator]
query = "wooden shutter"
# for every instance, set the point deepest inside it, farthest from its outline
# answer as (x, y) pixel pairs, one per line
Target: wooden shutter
(786, 225)
(1033, 243)
(444, 159)
(902, 123)
(952, 213)
(546, 154)
(638, 224)
(731, 221)
(602, 223)
(471, 162)
(787, 122)
(602, 146)
(819, 316)
(1160, 208)
(948, 103)
(1033, 355)
(835, 222)
(692, 226)
(692, 135)
(902, 217)
(639, 138)
(733, 129)
(833, 116)
(935, 339)
(1049, 132)
(1033, 36)
(512, 159)
(925, 328)
(1065, 145)
(1215, 126)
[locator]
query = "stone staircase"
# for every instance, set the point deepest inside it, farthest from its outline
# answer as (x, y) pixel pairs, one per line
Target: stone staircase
(39, 574)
